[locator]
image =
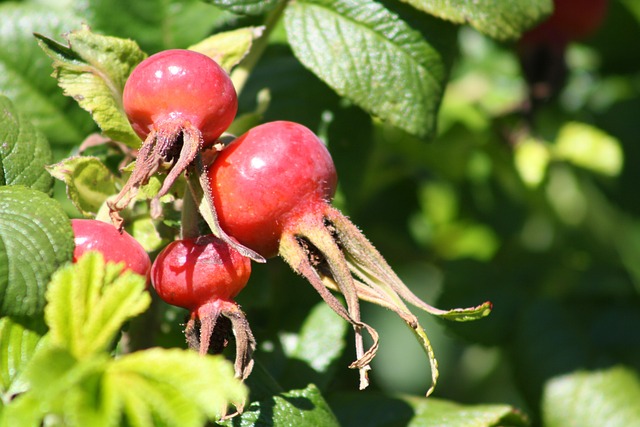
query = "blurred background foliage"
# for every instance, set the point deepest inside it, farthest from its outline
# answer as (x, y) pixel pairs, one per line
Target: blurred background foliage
(537, 212)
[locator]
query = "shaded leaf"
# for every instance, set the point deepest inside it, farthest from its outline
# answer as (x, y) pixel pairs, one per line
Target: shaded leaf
(25, 69)
(89, 301)
(89, 182)
(155, 25)
(24, 151)
(246, 7)
(317, 346)
(35, 239)
(600, 398)
(367, 54)
(93, 69)
(377, 410)
(496, 18)
(305, 407)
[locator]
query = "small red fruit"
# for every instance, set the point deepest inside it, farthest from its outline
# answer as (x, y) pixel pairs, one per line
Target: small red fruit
(93, 235)
(180, 86)
(272, 189)
(264, 180)
(203, 275)
(179, 101)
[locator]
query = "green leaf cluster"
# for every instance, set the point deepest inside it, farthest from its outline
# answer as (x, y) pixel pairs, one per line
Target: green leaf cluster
(70, 375)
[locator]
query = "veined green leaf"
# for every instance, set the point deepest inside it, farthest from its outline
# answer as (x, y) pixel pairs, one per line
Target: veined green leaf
(369, 55)
(180, 387)
(35, 239)
(89, 301)
(24, 151)
(304, 407)
(589, 399)
(496, 18)
(93, 70)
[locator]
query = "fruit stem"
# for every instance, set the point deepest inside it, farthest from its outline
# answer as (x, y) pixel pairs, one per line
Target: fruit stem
(242, 71)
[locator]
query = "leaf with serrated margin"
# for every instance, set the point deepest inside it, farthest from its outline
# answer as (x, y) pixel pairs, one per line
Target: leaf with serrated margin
(35, 239)
(93, 69)
(369, 55)
(89, 301)
(302, 407)
(246, 7)
(18, 342)
(182, 387)
(229, 47)
(500, 19)
(89, 182)
(24, 151)
(588, 399)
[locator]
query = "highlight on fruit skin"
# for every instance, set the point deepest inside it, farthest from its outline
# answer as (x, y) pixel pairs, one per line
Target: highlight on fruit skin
(203, 275)
(179, 101)
(272, 189)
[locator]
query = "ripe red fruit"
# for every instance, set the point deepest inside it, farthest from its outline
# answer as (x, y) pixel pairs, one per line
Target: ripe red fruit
(266, 179)
(272, 189)
(93, 235)
(179, 101)
(203, 275)
(180, 86)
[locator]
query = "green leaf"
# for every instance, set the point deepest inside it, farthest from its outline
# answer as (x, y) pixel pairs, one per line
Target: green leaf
(599, 398)
(367, 54)
(318, 346)
(532, 158)
(24, 151)
(305, 407)
(229, 47)
(35, 239)
(246, 7)
(377, 410)
(93, 70)
(496, 18)
(17, 345)
(180, 387)
(89, 182)
(89, 301)
(155, 24)
(589, 147)
(25, 69)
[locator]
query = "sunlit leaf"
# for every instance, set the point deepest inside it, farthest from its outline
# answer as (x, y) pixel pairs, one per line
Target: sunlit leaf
(92, 69)
(589, 147)
(89, 301)
(369, 55)
(229, 47)
(588, 399)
